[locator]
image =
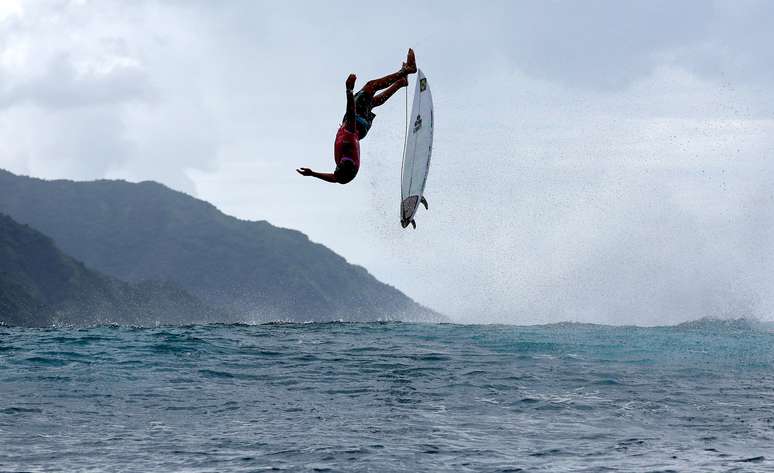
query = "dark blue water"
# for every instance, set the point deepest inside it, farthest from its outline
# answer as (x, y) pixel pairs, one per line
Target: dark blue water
(386, 397)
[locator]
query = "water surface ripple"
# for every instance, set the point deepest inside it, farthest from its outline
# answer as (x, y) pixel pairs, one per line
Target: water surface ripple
(386, 397)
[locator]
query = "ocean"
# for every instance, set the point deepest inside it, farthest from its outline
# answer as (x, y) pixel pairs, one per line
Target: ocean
(384, 397)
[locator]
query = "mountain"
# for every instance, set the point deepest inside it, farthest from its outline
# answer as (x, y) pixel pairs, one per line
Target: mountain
(146, 231)
(716, 324)
(19, 307)
(40, 285)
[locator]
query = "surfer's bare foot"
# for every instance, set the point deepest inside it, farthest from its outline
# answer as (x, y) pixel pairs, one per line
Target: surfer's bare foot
(410, 66)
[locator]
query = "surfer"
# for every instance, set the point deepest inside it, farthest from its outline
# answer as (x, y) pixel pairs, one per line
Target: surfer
(358, 120)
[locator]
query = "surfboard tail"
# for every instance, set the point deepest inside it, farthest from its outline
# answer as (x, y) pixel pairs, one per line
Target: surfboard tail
(408, 208)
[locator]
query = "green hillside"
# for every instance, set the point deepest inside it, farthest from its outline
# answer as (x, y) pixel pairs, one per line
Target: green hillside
(146, 231)
(40, 285)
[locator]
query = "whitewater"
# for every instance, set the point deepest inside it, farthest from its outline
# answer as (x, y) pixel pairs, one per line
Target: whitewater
(387, 397)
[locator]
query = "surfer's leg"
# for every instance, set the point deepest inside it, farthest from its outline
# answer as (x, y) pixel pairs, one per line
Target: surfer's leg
(350, 116)
(384, 96)
(375, 85)
(409, 67)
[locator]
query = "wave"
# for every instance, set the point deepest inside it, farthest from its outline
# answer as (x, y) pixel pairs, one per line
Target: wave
(708, 324)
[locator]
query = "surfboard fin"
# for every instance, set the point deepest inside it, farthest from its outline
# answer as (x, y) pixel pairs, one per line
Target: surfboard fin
(414, 224)
(424, 202)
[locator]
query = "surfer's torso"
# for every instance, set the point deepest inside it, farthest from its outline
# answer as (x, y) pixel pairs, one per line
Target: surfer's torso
(345, 137)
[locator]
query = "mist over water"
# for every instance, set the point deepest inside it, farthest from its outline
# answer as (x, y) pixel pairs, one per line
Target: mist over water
(580, 214)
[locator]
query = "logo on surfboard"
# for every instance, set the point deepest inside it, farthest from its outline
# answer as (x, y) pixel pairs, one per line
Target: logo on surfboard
(418, 123)
(422, 84)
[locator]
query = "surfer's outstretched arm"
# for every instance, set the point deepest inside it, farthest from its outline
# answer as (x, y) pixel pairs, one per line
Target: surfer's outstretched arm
(325, 176)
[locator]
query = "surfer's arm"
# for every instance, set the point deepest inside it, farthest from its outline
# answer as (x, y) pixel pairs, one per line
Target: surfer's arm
(325, 176)
(349, 118)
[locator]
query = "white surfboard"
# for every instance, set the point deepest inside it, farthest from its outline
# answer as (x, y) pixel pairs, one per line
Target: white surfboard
(416, 157)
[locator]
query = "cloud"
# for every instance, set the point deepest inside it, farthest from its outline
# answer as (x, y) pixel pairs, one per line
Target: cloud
(61, 86)
(87, 93)
(10, 9)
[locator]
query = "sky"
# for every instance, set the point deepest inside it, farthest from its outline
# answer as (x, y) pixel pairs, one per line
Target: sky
(596, 161)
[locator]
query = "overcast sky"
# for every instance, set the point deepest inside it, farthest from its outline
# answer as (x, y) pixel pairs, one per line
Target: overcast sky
(597, 161)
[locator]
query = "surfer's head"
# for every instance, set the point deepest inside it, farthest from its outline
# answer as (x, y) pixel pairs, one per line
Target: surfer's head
(345, 171)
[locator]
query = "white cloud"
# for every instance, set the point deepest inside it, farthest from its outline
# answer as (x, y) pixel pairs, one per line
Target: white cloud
(10, 9)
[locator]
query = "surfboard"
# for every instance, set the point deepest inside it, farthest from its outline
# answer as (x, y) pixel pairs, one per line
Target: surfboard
(416, 155)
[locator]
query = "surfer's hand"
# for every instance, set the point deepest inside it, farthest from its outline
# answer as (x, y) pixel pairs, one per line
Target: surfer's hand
(351, 81)
(304, 171)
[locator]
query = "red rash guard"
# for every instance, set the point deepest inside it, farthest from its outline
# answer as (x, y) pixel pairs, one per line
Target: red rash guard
(343, 136)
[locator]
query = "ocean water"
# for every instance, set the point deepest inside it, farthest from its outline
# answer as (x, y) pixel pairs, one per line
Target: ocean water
(387, 397)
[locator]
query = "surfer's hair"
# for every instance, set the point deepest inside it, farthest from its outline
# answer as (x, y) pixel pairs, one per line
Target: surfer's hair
(345, 171)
